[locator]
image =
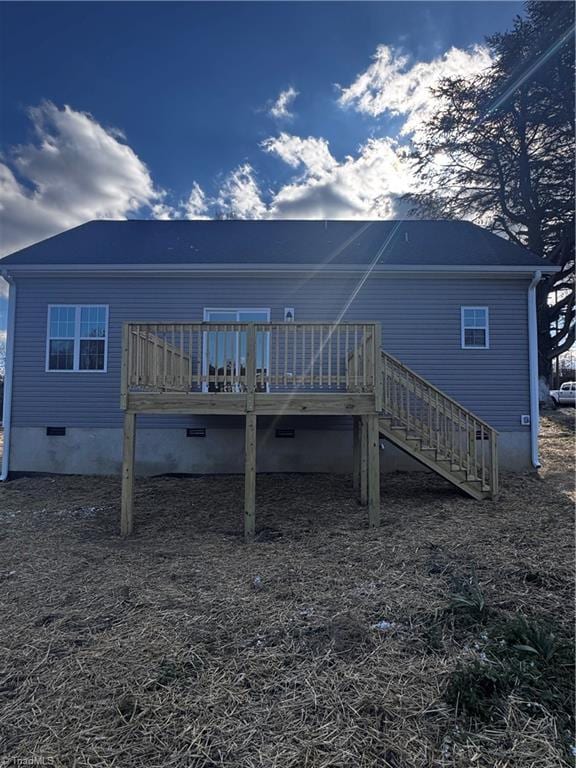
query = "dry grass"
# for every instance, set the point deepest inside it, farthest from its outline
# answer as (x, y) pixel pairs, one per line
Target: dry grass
(184, 647)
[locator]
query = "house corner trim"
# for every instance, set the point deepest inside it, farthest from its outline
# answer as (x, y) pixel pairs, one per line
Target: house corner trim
(533, 364)
(8, 374)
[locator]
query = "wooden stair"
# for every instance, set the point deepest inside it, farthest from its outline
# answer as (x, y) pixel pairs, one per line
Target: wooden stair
(437, 431)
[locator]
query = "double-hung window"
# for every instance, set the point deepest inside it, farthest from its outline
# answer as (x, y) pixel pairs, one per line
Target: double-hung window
(474, 327)
(77, 338)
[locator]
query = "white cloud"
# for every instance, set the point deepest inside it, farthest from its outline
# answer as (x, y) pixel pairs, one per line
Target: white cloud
(311, 153)
(280, 110)
(164, 212)
(76, 170)
(391, 84)
(373, 181)
(196, 207)
(240, 195)
(368, 185)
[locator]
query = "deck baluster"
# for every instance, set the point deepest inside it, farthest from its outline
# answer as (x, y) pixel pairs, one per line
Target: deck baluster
(329, 356)
(338, 335)
(285, 373)
(311, 366)
(321, 355)
(303, 377)
(276, 380)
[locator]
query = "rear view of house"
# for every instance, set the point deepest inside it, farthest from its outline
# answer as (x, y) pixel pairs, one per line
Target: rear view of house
(418, 337)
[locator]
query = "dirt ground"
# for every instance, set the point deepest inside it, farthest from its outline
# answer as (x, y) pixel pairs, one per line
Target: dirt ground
(322, 644)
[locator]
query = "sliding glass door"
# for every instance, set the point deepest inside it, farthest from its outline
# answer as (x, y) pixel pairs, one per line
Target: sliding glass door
(225, 350)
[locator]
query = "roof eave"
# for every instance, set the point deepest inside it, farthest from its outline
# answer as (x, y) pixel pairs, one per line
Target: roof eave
(175, 269)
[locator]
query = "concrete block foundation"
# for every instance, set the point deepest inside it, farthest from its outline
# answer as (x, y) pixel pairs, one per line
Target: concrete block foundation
(98, 451)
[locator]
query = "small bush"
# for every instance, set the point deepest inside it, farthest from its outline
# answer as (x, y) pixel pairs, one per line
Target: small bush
(470, 600)
(479, 689)
(524, 656)
(536, 640)
(543, 659)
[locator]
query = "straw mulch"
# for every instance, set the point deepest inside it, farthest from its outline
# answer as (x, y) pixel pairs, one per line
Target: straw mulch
(319, 645)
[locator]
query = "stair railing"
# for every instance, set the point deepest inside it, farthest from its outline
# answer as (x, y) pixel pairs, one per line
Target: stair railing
(441, 423)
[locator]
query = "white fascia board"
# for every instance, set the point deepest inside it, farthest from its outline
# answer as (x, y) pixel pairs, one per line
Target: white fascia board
(271, 269)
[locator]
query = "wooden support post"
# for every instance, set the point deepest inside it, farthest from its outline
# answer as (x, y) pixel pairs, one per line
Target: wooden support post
(126, 517)
(493, 464)
(125, 374)
(363, 461)
(373, 445)
(356, 453)
(471, 448)
(250, 366)
(250, 478)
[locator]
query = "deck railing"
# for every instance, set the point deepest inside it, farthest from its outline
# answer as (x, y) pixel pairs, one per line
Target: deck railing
(250, 357)
(456, 434)
(362, 361)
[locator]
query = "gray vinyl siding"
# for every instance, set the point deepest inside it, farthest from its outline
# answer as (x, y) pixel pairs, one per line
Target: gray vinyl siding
(420, 319)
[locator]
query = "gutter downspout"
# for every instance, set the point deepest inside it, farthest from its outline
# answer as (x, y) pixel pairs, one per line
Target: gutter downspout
(8, 373)
(533, 364)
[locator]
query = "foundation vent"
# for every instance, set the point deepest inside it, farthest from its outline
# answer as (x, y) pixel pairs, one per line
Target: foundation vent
(55, 431)
(196, 432)
(285, 433)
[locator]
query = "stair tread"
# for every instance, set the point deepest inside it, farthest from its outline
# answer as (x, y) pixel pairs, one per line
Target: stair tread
(457, 474)
(418, 439)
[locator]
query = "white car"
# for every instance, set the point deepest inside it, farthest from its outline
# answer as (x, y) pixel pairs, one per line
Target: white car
(566, 395)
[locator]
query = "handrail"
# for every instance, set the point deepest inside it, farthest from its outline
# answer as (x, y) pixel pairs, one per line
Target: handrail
(153, 339)
(148, 352)
(429, 385)
(453, 403)
(250, 357)
(440, 423)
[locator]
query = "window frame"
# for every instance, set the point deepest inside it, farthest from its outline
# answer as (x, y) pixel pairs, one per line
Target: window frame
(237, 310)
(463, 328)
(77, 339)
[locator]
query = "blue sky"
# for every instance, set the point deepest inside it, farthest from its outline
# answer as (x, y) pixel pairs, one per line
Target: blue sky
(181, 94)
(187, 82)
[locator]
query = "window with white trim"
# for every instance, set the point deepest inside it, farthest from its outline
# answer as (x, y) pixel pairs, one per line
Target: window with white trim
(77, 338)
(474, 323)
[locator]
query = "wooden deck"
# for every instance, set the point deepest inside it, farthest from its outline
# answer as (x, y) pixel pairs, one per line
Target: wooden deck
(268, 369)
(255, 369)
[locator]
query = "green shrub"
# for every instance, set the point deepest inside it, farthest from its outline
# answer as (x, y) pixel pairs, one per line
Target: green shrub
(480, 690)
(523, 656)
(537, 640)
(470, 600)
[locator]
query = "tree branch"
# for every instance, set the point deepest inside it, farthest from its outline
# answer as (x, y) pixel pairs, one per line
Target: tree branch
(556, 351)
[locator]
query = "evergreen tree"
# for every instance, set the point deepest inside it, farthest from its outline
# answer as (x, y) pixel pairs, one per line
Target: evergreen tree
(500, 150)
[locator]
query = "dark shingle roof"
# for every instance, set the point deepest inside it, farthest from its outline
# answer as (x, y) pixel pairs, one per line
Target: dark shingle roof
(410, 243)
